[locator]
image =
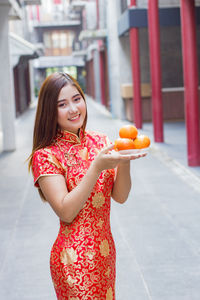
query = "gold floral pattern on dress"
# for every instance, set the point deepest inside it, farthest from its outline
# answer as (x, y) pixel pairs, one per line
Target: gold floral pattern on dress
(84, 153)
(90, 254)
(100, 223)
(66, 231)
(71, 280)
(71, 159)
(108, 272)
(104, 248)
(109, 294)
(77, 180)
(52, 159)
(98, 200)
(68, 256)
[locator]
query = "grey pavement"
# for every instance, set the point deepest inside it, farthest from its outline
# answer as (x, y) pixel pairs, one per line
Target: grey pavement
(157, 232)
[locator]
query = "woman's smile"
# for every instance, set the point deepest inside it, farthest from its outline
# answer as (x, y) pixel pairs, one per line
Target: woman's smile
(75, 118)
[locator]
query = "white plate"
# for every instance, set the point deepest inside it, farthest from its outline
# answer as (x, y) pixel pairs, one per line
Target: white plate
(135, 152)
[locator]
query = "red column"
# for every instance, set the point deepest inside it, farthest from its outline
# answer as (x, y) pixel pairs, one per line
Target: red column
(135, 64)
(38, 13)
(132, 3)
(190, 68)
(155, 66)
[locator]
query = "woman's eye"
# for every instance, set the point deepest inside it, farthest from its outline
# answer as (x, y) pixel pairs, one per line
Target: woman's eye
(77, 99)
(62, 105)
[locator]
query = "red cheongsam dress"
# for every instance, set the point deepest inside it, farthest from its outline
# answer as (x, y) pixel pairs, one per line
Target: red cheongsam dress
(83, 256)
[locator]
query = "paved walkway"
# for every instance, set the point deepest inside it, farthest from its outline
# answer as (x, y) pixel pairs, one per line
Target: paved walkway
(156, 231)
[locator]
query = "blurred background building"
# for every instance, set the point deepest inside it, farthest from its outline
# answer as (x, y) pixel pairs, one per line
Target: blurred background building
(57, 27)
(16, 53)
(132, 56)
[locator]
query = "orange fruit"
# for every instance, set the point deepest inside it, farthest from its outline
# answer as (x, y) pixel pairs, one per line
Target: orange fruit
(123, 144)
(141, 141)
(128, 132)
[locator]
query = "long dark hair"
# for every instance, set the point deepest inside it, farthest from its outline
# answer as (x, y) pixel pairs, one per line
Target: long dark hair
(46, 126)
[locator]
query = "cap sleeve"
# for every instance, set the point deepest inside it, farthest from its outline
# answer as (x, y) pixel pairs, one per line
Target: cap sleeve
(44, 163)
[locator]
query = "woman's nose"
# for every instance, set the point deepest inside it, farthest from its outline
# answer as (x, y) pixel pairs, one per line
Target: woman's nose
(72, 108)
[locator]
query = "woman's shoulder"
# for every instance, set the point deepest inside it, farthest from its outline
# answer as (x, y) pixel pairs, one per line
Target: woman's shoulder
(45, 162)
(47, 156)
(43, 151)
(49, 153)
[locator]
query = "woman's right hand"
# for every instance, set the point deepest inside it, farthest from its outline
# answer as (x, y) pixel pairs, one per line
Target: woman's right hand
(104, 160)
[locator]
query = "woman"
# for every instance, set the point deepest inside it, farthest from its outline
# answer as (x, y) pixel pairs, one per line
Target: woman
(77, 173)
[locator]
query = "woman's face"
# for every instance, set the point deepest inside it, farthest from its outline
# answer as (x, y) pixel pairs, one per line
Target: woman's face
(71, 109)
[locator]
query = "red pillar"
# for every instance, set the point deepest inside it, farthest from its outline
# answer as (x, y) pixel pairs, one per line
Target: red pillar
(132, 3)
(135, 64)
(155, 66)
(38, 13)
(190, 68)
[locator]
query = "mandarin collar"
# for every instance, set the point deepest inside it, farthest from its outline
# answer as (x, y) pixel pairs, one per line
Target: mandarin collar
(70, 137)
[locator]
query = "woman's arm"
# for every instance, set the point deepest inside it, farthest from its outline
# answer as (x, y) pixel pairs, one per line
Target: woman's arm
(68, 204)
(122, 184)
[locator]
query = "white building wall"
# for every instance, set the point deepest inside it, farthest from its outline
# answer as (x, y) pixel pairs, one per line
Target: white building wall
(125, 66)
(114, 60)
(91, 15)
(163, 3)
(102, 14)
(7, 104)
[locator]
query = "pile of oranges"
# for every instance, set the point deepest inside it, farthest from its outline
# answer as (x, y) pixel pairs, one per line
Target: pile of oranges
(130, 139)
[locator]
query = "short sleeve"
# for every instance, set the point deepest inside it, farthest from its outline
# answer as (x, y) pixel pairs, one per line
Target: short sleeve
(43, 164)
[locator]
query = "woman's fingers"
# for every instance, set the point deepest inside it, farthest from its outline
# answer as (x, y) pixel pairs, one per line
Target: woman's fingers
(122, 157)
(109, 159)
(132, 157)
